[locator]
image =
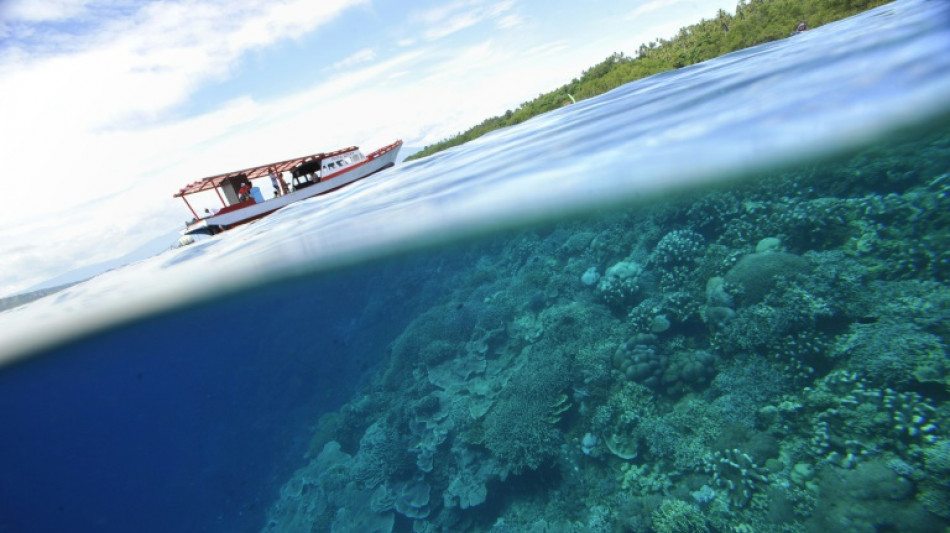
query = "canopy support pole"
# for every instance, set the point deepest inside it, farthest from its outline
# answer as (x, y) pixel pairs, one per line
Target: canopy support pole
(192, 209)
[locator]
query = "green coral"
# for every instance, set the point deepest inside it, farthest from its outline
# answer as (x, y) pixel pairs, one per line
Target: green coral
(935, 486)
(520, 429)
(677, 516)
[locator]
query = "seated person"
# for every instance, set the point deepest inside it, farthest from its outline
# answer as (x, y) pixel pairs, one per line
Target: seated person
(244, 192)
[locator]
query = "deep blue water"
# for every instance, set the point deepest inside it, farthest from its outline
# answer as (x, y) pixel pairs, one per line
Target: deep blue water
(181, 393)
(189, 421)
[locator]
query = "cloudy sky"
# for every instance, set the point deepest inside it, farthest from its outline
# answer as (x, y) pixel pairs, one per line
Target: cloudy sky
(109, 106)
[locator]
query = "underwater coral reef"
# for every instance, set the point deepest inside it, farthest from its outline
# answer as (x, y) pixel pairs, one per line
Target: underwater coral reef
(769, 355)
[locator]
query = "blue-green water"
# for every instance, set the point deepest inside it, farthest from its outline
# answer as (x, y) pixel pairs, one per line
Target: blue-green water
(712, 300)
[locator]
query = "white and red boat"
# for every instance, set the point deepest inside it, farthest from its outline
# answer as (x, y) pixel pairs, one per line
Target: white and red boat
(297, 179)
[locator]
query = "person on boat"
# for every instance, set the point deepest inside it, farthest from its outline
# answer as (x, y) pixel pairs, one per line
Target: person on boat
(279, 186)
(211, 212)
(802, 26)
(244, 192)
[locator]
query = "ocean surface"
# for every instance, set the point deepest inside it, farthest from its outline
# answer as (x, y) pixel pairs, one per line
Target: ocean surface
(711, 300)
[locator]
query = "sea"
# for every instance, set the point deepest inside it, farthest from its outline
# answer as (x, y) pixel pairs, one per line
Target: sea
(712, 300)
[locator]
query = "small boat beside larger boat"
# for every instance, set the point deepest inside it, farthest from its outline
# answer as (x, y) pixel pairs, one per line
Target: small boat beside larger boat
(292, 180)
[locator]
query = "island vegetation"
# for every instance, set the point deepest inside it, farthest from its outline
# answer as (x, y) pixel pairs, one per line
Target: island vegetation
(754, 22)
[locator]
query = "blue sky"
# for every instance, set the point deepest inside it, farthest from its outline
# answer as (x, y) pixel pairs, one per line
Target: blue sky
(108, 107)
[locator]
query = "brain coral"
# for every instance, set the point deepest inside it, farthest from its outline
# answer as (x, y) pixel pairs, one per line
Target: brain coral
(755, 273)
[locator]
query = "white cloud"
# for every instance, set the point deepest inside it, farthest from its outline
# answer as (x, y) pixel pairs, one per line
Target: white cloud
(454, 17)
(546, 49)
(642, 9)
(683, 12)
(509, 21)
(455, 24)
(41, 11)
(463, 62)
(361, 56)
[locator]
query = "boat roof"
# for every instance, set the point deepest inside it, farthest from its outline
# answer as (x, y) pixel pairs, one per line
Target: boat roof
(211, 182)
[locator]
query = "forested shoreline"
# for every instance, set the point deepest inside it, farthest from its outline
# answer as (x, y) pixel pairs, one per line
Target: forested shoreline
(755, 22)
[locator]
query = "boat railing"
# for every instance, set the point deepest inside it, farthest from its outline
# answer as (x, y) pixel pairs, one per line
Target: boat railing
(384, 150)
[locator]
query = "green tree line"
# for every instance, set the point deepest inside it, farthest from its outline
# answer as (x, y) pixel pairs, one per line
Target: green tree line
(755, 22)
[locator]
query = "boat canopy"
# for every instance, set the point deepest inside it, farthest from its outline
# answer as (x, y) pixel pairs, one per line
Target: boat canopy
(212, 182)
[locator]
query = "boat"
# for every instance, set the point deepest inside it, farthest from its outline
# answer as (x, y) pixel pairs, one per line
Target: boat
(297, 179)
